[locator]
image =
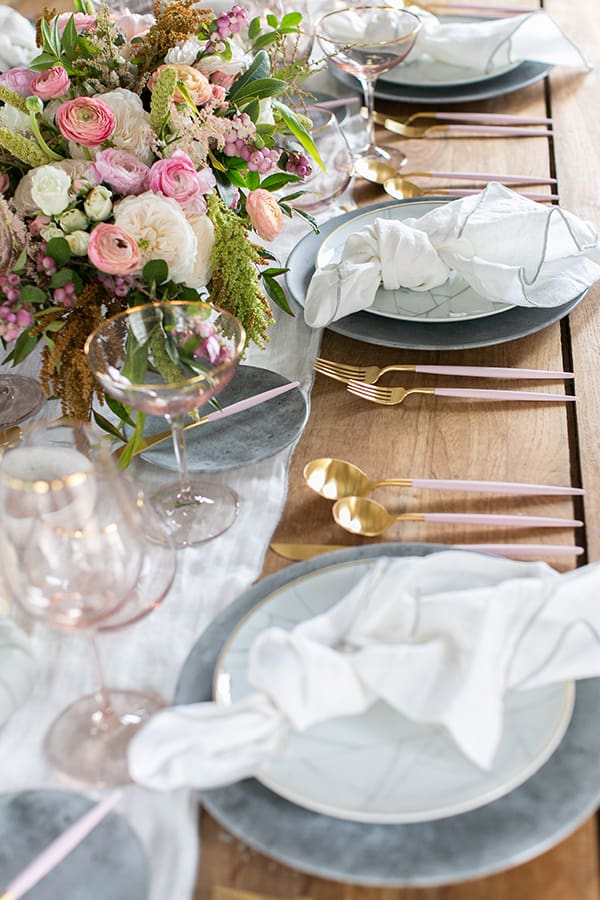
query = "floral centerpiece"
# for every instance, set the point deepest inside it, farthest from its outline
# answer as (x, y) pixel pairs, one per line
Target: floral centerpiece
(137, 154)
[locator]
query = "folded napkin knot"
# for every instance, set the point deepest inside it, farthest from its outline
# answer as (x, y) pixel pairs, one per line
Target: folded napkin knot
(18, 43)
(504, 246)
(440, 639)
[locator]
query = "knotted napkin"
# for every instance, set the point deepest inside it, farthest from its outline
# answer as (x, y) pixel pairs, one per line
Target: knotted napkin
(506, 247)
(440, 638)
(17, 39)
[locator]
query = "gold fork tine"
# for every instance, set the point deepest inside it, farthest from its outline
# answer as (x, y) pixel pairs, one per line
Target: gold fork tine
(339, 370)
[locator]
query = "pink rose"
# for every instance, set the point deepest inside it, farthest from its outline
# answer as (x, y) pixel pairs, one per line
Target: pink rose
(4, 182)
(51, 84)
(176, 177)
(219, 94)
(122, 171)
(113, 250)
(84, 24)
(18, 80)
(86, 121)
(265, 214)
(222, 79)
(134, 25)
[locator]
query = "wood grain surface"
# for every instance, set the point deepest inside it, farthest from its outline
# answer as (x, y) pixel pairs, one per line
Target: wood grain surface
(444, 438)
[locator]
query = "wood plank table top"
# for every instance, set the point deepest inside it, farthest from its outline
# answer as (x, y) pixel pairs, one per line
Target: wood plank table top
(437, 437)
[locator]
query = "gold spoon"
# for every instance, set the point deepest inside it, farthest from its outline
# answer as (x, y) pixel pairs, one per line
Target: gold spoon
(402, 189)
(336, 478)
(360, 515)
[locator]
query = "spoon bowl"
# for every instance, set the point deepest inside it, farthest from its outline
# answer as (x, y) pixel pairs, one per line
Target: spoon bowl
(336, 478)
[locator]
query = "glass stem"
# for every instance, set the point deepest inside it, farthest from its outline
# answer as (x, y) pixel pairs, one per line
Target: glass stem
(177, 430)
(368, 86)
(105, 710)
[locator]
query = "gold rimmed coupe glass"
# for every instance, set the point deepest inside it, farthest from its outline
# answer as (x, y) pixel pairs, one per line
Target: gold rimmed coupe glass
(73, 547)
(168, 359)
(367, 41)
(20, 398)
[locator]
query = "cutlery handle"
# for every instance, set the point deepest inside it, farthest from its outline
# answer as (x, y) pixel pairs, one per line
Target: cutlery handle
(485, 176)
(503, 130)
(524, 549)
(490, 118)
(479, 394)
(494, 519)
(468, 192)
(490, 372)
(496, 487)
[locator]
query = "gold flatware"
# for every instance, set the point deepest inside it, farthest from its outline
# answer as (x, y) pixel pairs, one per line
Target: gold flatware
(392, 396)
(337, 478)
(402, 188)
(371, 374)
(456, 129)
(299, 552)
(361, 515)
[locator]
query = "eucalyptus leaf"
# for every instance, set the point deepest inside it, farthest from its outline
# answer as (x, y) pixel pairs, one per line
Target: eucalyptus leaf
(156, 270)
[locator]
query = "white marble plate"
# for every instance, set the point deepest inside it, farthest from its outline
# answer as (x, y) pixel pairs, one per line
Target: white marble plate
(380, 767)
(453, 301)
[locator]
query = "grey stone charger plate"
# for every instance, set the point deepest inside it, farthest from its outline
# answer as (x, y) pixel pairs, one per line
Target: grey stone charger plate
(517, 322)
(110, 862)
(528, 821)
(239, 440)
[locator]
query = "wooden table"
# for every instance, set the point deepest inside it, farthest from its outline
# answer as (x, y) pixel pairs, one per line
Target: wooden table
(451, 439)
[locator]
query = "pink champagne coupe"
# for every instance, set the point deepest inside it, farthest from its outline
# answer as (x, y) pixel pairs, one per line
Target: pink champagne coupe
(20, 397)
(367, 41)
(168, 359)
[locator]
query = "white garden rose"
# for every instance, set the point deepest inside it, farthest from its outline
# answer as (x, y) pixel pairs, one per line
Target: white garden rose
(78, 242)
(50, 188)
(161, 231)
(239, 62)
(73, 220)
(78, 171)
(184, 53)
(132, 129)
(205, 235)
(98, 203)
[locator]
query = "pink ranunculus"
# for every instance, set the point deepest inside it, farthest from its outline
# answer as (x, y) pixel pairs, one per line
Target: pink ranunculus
(122, 171)
(18, 80)
(176, 177)
(84, 23)
(4, 182)
(86, 121)
(113, 250)
(51, 84)
(134, 25)
(265, 214)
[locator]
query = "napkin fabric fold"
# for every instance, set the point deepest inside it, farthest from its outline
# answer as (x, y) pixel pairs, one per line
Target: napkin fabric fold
(17, 39)
(439, 638)
(506, 247)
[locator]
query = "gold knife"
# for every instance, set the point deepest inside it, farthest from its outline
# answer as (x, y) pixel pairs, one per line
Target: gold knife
(306, 551)
(541, 551)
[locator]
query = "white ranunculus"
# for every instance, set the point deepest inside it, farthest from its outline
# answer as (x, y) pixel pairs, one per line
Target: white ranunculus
(73, 220)
(98, 204)
(132, 128)
(161, 231)
(205, 235)
(78, 242)
(15, 120)
(184, 53)
(239, 62)
(50, 188)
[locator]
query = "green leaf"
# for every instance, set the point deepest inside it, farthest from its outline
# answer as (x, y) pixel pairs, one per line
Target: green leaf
(259, 68)
(272, 20)
(21, 260)
(292, 18)
(294, 196)
(264, 40)
(62, 277)
(105, 425)
(236, 179)
(32, 294)
(55, 39)
(296, 127)
(278, 180)
(69, 38)
(254, 28)
(274, 270)
(123, 412)
(156, 270)
(191, 295)
(309, 218)
(133, 442)
(276, 294)
(253, 110)
(58, 249)
(24, 344)
(136, 362)
(260, 90)
(252, 180)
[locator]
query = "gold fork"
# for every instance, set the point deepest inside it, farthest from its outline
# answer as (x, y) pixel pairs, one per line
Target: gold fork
(371, 374)
(388, 396)
(457, 129)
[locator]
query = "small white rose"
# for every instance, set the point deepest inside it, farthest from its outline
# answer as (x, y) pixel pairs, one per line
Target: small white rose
(78, 242)
(238, 62)
(73, 220)
(50, 188)
(184, 53)
(204, 230)
(98, 203)
(52, 231)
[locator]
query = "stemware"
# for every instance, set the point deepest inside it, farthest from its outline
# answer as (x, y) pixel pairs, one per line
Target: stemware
(367, 41)
(323, 186)
(168, 359)
(20, 397)
(74, 544)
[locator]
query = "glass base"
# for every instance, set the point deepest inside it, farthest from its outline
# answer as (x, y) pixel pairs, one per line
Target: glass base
(211, 510)
(90, 746)
(20, 397)
(379, 165)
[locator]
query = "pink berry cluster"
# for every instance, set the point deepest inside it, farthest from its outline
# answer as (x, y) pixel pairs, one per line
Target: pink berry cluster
(298, 164)
(230, 23)
(12, 320)
(241, 132)
(119, 285)
(214, 347)
(65, 295)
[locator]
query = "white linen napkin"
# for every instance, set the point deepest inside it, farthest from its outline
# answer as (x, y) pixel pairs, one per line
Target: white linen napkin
(17, 39)
(440, 638)
(506, 247)
(495, 43)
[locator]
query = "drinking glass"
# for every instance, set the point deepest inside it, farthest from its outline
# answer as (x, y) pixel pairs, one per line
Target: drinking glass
(168, 359)
(72, 549)
(367, 41)
(323, 186)
(20, 397)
